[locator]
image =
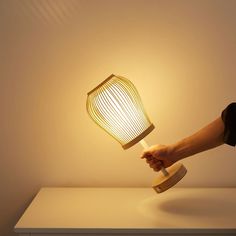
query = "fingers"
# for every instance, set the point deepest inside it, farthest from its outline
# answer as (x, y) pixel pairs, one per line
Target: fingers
(154, 156)
(146, 154)
(152, 152)
(155, 164)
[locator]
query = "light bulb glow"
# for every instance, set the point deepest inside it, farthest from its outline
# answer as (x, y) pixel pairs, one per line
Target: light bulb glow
(116, 106)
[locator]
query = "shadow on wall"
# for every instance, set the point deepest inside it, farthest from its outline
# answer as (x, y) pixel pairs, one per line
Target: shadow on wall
(49, 13)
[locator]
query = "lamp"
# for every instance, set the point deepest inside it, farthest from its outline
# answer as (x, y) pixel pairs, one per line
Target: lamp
(115, 105)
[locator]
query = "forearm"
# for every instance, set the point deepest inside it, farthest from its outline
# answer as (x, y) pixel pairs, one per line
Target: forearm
(208, 137)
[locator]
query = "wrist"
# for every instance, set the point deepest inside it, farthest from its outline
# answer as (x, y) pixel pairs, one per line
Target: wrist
(177, 151)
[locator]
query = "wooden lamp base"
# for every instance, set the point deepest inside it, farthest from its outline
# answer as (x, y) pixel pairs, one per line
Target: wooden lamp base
(175, 173)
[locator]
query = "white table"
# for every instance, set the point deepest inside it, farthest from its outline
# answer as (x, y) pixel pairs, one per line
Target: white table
(130, 211)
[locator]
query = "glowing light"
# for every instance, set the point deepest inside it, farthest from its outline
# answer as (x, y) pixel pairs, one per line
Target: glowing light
(115, 105)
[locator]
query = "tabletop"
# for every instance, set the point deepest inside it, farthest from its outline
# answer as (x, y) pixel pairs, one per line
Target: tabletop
(130, 210)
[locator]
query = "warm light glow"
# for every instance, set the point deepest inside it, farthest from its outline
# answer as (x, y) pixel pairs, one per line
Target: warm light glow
(116, 106)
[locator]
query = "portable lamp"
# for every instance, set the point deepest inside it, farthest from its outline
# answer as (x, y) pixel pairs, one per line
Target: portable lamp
(115, 105)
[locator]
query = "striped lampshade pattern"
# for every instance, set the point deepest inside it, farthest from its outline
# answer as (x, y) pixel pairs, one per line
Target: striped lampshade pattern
(116, 106)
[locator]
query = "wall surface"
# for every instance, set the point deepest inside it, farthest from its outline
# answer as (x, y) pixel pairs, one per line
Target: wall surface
(180, 55)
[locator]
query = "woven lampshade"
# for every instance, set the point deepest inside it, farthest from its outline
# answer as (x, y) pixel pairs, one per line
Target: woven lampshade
(115, 105)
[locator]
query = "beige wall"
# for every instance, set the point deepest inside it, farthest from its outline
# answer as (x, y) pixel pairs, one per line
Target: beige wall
(180, 55)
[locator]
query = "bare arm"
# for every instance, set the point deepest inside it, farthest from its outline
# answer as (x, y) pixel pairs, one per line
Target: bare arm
(206, 138)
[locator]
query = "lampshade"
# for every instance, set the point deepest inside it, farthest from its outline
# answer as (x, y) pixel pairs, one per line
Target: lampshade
(115, 105)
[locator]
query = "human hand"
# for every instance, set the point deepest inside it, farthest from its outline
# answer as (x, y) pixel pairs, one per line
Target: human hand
(158, 156)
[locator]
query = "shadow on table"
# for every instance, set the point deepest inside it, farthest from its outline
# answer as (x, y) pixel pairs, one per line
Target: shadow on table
(188, 207)
(197, 206)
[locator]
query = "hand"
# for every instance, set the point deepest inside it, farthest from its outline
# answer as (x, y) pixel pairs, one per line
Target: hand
(159, 156)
